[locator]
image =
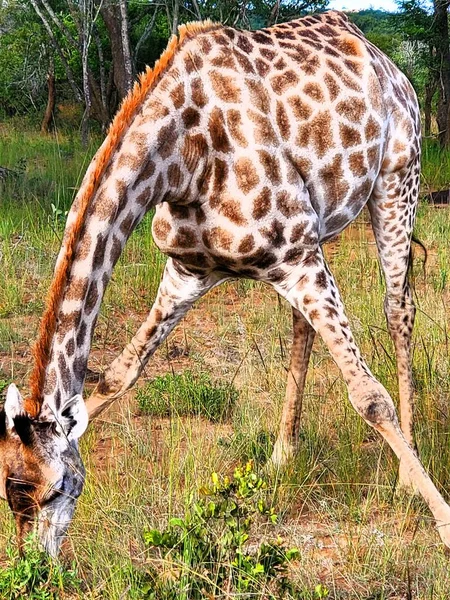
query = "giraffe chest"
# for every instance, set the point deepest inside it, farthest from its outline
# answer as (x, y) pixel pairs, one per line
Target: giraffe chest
(207, 239)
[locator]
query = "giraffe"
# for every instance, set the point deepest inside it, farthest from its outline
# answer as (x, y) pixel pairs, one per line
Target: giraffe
(254, 148)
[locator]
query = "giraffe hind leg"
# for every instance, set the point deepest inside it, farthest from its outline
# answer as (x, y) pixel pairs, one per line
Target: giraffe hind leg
(310, 288)
(288, 437)
(178, 290)
(393, 207)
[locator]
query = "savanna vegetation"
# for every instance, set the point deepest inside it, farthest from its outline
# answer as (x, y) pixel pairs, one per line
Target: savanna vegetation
(178, 502)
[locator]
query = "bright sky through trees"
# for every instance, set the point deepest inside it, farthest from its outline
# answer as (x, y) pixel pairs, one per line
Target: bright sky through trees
(389, 5)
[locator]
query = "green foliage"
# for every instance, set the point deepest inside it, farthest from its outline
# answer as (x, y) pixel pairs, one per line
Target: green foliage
(36, 576)
(207, 552)
(187, 394)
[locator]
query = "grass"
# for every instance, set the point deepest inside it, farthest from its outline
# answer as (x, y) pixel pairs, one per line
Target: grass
(336, 501)
(186, 394)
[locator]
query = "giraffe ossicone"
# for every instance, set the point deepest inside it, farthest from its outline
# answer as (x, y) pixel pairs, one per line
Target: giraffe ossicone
(254, 148)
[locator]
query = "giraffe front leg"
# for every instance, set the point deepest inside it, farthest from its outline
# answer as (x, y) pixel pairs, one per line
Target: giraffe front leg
(311, 289)
(288, 437)
(178, 290)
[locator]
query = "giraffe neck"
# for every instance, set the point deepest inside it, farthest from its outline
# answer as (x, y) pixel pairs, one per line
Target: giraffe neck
(137, 178)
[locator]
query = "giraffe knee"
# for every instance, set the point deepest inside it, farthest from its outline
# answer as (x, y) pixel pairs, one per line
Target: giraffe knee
(376, 409)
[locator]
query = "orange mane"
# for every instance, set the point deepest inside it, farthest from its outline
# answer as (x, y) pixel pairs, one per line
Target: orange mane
(122, 121)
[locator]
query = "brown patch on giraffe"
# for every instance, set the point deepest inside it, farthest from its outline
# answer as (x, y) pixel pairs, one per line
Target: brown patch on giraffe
(399, 147)
(220, 238)
(301, 109)
(280, 64)
(375, 93)
(360, 194)
(262, 37)
(66, 322)
(333, 87)
(373, 156)
(50, 382)
(231, 210)
(350, 45)
(140, 140)
(145, 196)
(268, 53)
(298, 232)
(198, 93)
(84, 246)
(194, 149)
(185, 237)
(64, 372)
(161, 228)
(263, 132)
(321, 281)
(76, 288)
(167, 138)
(191, 117)
(258, 95)
(293, 256)
(220, 178)
(302, 165)
(246, 176)
(317, 133)
(283, 123)
(274, 234)
(281, 83)
(349, 135)
(177, 95)
(129, 160)
(357, 164)
(244, 62)
(311, 64)
(314, 91)
(262, 204)
(147, 171)
(352, 108)
(245, 44)
(334, 184)
(225, 87)
(262, 67)
(287, 204)
(261, 259)
(91, 297)
(234, 122)
(346, 79)
(246, 244)
(271, 166)
(217, 131)
(127, 225)
(200, 216)
(372, 129)
(193, 62)
(175, 176)
(103, 207)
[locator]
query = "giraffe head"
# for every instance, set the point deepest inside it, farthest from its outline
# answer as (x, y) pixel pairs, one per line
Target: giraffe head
(41, 471)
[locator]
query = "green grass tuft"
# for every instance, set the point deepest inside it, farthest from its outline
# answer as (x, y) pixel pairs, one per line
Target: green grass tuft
(187, 394)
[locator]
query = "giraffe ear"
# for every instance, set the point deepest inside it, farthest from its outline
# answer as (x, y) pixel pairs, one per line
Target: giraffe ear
(74, 417)
(13, 406)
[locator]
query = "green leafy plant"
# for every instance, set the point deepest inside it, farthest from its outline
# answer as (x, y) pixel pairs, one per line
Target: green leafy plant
(36, 576)
(187, 394)
(210, 551)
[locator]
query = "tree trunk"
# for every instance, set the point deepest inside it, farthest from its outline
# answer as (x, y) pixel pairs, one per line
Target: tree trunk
(51, 99)
(111, 16)
(430, 90)
(128, 67)
(441, 30)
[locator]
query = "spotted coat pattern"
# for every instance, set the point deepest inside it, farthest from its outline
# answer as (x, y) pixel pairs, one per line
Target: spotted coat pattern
(255, 148)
